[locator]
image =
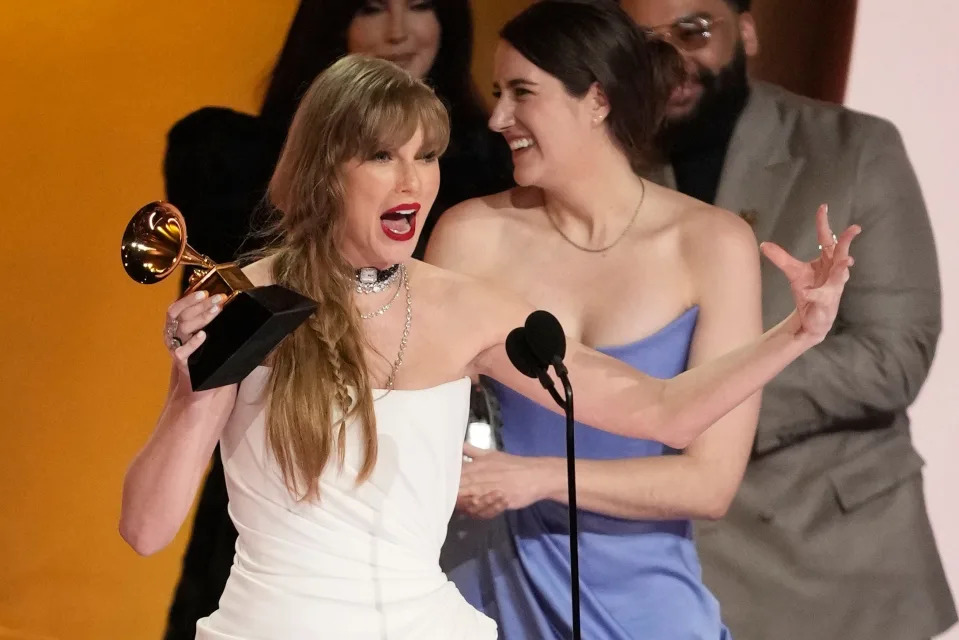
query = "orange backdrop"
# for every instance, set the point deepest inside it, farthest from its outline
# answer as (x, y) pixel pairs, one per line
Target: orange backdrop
(91, 87)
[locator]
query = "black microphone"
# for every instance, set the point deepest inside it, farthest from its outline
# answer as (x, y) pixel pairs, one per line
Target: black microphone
(518, 350)
(532, 349)
(547, 340)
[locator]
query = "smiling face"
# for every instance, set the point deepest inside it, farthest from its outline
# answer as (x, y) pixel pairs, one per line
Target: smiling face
(387, 196)
(713, 39)
(546, 128)
(405, 32)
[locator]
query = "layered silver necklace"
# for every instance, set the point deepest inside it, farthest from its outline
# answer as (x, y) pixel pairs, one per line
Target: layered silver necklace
(373, 280)
(378, 281)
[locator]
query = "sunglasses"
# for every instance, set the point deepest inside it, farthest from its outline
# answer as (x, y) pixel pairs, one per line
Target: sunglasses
(686, 34)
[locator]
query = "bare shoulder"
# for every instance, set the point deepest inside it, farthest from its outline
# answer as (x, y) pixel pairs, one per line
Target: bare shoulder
(720, 251)
(478, 222)
(712, 236)
(260, 272)
(713, 244)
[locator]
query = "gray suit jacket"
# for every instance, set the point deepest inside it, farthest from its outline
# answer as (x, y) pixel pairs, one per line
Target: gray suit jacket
(828, 538)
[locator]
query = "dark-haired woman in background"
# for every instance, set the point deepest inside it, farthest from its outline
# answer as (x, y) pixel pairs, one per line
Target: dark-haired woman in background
(654, 278)
(219, 162)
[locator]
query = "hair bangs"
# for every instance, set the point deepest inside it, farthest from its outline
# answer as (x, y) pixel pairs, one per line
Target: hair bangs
(390, 123)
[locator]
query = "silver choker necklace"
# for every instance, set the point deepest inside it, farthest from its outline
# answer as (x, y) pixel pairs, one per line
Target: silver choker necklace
(373, 280)
(386, 307)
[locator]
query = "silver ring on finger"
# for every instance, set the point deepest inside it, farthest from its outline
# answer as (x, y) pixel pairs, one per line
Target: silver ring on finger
(831, 245)
(174, 343)
(171, 328)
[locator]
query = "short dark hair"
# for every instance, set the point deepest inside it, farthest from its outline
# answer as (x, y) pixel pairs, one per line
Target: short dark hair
(581, 42)
(740, 6)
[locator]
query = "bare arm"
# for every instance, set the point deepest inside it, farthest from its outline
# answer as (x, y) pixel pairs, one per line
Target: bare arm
(613, 396)
(162, 481)
(701, 481)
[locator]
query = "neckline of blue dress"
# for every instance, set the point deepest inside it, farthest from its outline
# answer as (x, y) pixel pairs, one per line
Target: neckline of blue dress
(682, 319)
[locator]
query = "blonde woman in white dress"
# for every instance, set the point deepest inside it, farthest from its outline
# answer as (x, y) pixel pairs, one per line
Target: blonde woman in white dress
(342, 454)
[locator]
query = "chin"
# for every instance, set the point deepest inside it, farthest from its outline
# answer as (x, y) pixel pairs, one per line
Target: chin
(527, 176)
(392, 252)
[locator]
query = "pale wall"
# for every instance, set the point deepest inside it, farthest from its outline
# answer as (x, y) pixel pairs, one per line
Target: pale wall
(905, 67)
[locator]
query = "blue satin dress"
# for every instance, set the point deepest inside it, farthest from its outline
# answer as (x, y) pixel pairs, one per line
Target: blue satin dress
(639, 578)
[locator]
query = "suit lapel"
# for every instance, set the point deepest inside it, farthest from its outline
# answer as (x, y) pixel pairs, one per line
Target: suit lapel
(760, 168)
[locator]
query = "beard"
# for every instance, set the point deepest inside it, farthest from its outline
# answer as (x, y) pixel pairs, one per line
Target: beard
(710, 122)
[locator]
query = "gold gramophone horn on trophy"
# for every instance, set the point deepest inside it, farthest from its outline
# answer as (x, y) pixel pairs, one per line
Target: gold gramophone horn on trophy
(253, 320)
(155, 243)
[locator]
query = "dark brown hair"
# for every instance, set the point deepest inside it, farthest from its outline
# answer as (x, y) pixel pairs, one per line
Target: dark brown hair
(317, 38)
(582, 42)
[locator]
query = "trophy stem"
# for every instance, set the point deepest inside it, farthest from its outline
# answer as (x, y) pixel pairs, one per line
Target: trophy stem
(227, 279)
(191, 257)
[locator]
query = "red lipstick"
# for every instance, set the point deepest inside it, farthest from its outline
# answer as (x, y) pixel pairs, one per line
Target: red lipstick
(399, 223)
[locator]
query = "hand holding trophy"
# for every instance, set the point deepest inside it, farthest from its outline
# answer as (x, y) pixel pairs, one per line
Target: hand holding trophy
(253, 320)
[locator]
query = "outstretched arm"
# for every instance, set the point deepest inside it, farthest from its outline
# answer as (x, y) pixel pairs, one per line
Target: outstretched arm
(614, 397)
(701, 481)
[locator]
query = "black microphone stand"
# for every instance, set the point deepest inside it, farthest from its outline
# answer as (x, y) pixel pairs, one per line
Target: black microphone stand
(535, 363)
(563, 374)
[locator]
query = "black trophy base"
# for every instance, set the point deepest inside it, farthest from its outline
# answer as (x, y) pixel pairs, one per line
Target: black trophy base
(244, 333)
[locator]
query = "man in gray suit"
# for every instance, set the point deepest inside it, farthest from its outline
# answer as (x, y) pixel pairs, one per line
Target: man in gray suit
(828, 537)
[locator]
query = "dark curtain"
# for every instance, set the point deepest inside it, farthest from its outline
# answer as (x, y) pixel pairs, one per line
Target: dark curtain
(805, 45)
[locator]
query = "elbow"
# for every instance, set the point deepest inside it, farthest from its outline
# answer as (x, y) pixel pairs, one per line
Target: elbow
(715, 509)
(143, 539)
(658, 421)
(675, 439)
(716, 500)
(670, 434)
(672, 438)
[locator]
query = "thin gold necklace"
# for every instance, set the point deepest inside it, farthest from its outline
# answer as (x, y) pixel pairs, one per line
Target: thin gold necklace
(614, 242)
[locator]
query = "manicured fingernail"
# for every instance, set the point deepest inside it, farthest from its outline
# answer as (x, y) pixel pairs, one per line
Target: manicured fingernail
(215, 309)
(199, 295)
(218, 298)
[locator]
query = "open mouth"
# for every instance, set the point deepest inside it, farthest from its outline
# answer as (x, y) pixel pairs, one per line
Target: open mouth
(518, 145)
(399, 223)
(685, 94)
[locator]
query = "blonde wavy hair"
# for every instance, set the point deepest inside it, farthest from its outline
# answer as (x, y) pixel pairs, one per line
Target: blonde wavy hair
(319, 382)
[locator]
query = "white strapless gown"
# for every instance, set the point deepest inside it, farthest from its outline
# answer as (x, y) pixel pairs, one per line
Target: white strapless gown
(363, 563)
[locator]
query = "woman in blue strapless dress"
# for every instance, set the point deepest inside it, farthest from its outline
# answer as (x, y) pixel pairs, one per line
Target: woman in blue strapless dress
(670, 281)
(639, 577)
